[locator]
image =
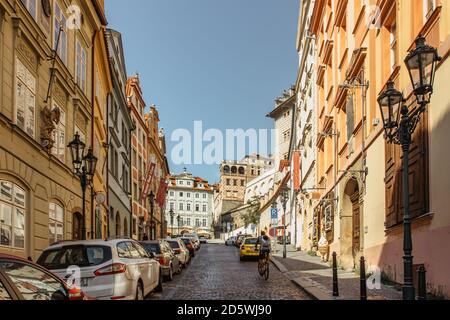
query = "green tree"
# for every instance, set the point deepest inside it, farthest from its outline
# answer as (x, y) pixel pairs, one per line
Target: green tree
(252, 214)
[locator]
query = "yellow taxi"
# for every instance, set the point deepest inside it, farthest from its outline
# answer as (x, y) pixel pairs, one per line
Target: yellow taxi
(248, 249)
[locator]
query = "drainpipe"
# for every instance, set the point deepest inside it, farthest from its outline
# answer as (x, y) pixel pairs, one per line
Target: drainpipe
(93, 126)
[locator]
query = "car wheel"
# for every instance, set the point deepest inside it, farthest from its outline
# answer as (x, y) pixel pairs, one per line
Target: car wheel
(159, 288)
(180, 268)
(140, 291)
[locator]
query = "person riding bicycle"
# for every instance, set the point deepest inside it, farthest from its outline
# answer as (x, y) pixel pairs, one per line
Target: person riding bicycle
(265, 246)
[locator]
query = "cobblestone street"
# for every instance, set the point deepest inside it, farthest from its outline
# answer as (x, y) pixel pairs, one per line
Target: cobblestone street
(217, 274)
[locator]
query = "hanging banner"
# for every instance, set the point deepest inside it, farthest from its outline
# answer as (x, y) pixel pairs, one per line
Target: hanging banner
(297, 170)
(148, 180)
(162, 192)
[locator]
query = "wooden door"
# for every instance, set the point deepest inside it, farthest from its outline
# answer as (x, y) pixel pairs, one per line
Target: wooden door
(356, 225)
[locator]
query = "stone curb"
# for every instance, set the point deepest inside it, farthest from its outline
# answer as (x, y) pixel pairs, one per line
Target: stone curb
(307, 285)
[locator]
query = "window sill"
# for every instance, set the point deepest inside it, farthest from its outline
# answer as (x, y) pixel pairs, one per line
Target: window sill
(416, 223)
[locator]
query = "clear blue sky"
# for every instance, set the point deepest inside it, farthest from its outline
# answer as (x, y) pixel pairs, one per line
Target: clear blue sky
(220, 61)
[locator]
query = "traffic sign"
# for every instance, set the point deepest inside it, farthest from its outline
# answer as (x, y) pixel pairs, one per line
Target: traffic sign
(274, 214)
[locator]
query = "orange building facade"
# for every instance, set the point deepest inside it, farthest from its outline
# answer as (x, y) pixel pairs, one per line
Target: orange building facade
(360, 47)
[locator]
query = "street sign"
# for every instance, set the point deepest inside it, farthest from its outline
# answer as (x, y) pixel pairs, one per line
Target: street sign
(274, 214)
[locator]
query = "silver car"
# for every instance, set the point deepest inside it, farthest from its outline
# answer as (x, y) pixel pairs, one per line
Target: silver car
(180, 250)
(119, 269)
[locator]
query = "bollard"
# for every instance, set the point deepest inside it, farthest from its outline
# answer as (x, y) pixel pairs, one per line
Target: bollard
(335, 276)
(422, 283)
(363, 279)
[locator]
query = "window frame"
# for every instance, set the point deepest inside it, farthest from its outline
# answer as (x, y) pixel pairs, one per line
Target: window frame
(82, 64)
(57, 222)
(60, 19)
(26, 86)
(15, 207)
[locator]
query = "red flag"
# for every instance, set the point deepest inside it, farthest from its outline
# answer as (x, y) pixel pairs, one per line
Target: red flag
(148, 180)
(162, 192)
(297, 170)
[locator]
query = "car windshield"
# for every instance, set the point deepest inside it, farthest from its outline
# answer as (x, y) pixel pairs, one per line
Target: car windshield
(186, 241)
(250, 241)
(81, 256)
(152, 247)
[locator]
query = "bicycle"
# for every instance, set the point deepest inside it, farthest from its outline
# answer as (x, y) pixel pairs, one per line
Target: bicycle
(263, 265)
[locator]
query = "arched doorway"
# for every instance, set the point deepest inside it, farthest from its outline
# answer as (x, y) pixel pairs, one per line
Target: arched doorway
(351, 225)
(118, 226)
(77, 226)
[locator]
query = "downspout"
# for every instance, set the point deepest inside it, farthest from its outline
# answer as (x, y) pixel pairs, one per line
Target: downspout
(93, 127)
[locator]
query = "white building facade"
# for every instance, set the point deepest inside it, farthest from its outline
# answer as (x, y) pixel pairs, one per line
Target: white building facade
(190, 199)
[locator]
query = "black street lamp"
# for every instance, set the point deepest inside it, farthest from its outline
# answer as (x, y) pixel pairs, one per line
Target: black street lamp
(84, 167)
(172, 214)
(284, 201)
(152, 208)
(179, 222)
(399, 124)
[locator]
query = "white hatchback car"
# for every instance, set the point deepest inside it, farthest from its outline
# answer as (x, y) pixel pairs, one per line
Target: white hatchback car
(180, 250)
(119, 269)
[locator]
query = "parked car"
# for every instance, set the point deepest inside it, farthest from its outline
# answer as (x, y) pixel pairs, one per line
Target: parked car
(195, 240)
(180, 250)
(230, 241)
(170, 264)
(118, 269)
(248, 249)
(190, 246)
(25, 280)
(240, 239)
(203, 240)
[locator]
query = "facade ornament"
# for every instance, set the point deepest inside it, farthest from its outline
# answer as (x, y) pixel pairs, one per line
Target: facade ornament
(324, 247)
(50, 118)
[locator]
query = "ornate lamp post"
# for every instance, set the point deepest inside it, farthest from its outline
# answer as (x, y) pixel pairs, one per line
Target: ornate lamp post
(172, 214)
(399, 124)
(152, 208)
(84, 167)
(179, 221)
(284, 201)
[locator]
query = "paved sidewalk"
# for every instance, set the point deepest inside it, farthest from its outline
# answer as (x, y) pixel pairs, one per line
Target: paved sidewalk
(316, 278)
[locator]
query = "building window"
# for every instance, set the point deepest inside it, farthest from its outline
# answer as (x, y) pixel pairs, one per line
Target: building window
(242, 183)
(428, 9)
(188, 207)
(197, 196)
(197, 222)
(81, 66)
(393, 46)
(135, 191)
(172, 193)
(181, 194)
(25, 99)
(56, 223)
(188, 222)
(12, 215)
(197, 207)
(228, 182)
(188, 195)
(60, 22)
(204, 208)
(181, 207)
(204, 222)
(204, 196)
(31, 7)
(59, 137)
(181, 183)
(172, 206)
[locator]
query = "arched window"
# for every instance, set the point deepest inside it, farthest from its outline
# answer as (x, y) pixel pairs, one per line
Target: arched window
(56, 223)
(226, 169)
(12, 215)
(234, 170)
(77, 226)
(241, 170)
(118, 228)
(125, 227)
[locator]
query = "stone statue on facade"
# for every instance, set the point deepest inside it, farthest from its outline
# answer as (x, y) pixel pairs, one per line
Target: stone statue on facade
(50, 118)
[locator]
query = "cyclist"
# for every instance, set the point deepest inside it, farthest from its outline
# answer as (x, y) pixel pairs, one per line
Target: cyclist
(265, 246)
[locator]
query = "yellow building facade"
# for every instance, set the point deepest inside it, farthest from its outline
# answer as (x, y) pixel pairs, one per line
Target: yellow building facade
(40, 198)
